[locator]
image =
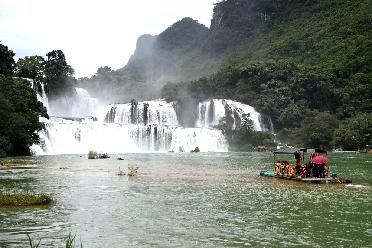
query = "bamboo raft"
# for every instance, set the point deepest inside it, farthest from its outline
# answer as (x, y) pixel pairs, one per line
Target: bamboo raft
(316, 180)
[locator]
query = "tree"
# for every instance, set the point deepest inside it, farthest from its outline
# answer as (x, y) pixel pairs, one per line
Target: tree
(19, 115)
(58, 73)
(354, 133)
(103, 72)
(31, 67)
(243, 137)
(6, 61)
(356, 96)
(317, 129)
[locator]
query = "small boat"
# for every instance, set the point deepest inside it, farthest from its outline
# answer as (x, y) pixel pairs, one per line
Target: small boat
(325, 179)
(306, 179)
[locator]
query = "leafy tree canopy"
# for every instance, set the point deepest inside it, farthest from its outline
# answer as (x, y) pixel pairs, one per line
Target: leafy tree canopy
(58, 74)
(354, 133)
(19, 115)
(31, 67)
(7, 62)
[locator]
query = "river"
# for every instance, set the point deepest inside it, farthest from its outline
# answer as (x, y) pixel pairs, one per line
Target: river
(189, 200)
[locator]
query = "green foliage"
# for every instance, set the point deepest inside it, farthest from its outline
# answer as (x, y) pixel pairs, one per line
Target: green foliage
(19, 115)
(356, 95)
(32, 244)
(58, 74)
(6, 61)
(354, 133)
(21, 200)
(243, 137)
(31, 67)
(70, 241)
(181, 36)
(284, 91)
(317, 130)
(334, 34)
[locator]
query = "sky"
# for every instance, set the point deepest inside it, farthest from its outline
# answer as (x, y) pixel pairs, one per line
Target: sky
(91, 33)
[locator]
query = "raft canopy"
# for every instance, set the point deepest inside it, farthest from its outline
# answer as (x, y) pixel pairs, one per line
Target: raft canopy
(293, 150)
(286, 151)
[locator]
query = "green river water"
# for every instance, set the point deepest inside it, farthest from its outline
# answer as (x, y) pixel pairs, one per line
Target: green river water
(188, 200)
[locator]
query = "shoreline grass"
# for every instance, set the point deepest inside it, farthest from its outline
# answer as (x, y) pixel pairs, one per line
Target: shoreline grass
(24, 200)
(70, 241)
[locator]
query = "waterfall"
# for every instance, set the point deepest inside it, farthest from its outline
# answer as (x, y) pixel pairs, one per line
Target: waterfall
(212, 111)
(186, 139)
(40, 92)
(63, 136)
(156, 112)
(146, 126)
(84, 104)
(78, 104)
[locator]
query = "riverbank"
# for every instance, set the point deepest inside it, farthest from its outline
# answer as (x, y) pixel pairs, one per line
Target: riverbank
(17, 191)
(24, 199)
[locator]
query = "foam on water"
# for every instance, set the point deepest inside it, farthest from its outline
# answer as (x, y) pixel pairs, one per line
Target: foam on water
(358, 186)
(136, 127)
(212, 111)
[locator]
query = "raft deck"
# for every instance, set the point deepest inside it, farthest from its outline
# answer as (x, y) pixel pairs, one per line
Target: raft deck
(316, 180)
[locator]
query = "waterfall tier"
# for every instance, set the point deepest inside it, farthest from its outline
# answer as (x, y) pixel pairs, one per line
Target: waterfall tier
(150, 112)
(66, 136)
(137, 127)
(211, 112)
(40, 92)
(78, 104)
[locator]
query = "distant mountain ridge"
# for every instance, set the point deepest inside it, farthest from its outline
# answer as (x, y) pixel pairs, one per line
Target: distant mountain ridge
(334, 35)
(167, 56)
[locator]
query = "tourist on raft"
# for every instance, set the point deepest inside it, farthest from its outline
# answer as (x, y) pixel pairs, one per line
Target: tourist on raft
(317, 167)
(283, 168)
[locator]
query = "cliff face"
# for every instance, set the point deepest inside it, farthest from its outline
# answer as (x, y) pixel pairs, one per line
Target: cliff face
(182, 36)
(144, 48)
(169, 56)
(233, 23)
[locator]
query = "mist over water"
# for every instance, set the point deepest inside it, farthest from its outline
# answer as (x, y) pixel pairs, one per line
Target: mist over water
(81, 123)
(77, 105)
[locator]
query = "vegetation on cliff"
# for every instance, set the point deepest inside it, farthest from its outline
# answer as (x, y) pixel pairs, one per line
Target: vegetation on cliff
(19, 110)
(294, 61)
(173, 55)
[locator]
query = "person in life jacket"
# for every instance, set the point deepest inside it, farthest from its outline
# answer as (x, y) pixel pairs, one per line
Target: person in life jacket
(299, 166)
(277, 168)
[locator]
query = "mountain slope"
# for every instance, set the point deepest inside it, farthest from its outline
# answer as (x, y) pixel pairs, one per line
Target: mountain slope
(334, 35)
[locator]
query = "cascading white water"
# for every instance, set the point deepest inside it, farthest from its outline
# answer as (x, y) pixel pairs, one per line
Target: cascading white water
(85, 105)
(62, 136)
(75, 105)
(206, 139)
(136, 127)
(40, 93)
(212, 111)
(156, 112)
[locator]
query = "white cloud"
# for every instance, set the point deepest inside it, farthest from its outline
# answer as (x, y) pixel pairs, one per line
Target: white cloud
(91, 33)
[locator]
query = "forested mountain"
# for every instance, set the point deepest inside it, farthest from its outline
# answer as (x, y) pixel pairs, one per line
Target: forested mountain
(174, 55)
(291, 59)
(302, 63)
(305, 65)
